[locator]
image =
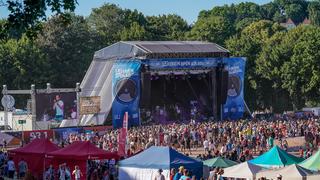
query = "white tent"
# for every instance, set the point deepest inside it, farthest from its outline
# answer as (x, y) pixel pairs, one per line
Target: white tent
(292, 172)
(244, 170)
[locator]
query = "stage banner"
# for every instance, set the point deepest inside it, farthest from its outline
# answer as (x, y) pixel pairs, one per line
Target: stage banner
(126, 92)
(89, 105)
(37, 134)
(122, 137)
(62, 134)
(234, 107)
(183, 63)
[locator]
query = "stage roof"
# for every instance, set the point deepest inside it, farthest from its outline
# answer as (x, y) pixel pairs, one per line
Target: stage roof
(160, 49)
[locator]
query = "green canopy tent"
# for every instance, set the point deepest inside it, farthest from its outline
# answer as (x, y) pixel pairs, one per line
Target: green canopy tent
(275, 158)
(313, 162)
(219, 162)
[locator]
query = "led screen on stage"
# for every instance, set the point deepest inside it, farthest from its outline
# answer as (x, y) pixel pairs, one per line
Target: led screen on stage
(56, 106)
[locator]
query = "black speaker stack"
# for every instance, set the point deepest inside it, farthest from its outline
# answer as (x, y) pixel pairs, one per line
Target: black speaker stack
(145, 87)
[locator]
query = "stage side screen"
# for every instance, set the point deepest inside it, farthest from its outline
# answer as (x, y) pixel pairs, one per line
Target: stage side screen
(56, 106)
(234, 107)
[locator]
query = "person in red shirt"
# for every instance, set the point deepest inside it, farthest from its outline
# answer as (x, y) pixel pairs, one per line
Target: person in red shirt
(172, 173)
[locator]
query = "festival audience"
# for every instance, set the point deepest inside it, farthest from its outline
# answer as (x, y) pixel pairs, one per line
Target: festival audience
(236, 140)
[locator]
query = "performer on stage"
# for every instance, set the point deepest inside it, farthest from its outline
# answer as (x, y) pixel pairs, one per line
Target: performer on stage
(58, 106)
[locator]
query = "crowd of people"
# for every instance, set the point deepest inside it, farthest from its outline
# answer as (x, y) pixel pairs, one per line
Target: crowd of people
(236, 140)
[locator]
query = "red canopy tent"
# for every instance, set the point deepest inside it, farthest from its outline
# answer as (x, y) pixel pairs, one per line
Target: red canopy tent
(78, 153)
(34, 154)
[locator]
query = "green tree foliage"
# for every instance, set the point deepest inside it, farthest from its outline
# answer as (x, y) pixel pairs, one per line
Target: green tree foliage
(295, 12)
(68, 49)
(21, 63)
(248, 44)
(26, 15)
(167, 27)
(248, 10)
(314, 12)
(282, 66)
(301, 74)
(213, 28)
(134, 33)
(108, 21)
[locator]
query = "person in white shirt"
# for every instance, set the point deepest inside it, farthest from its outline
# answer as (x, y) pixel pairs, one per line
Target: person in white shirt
(77, 173)
(58, 106)
(160, 176)
(206, 145)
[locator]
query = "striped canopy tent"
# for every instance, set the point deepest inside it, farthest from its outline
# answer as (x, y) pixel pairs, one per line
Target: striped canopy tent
(276, 158)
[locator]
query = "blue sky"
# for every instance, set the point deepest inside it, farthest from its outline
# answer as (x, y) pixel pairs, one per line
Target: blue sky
(188, 9)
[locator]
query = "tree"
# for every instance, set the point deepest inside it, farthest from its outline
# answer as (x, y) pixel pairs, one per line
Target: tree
(301, 74)
(269, 10)
(295, 12)
(26, 15)
(248, 10)
(167, 27)
(213, 28)
(244, 23)
(228, 12)
(134, 32)
(109, 21)
(21, 63)
(68, 49)
(314, 12)
(249, 44)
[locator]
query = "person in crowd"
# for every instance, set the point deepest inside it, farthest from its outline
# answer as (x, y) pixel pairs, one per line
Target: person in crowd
(186, 175)
(11, 168)
(279, 177)
(77, 173)
(62, 172)
(159, 176)
(23, 167)
(178, 175)
(172, 173)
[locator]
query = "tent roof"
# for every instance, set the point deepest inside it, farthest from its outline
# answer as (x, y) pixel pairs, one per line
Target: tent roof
(160, 157)
(293, 171)
(276, 157)
(313, 162)
(243, 170)
(219, 162)
(37, 146)
(160, 49)
(83, 150)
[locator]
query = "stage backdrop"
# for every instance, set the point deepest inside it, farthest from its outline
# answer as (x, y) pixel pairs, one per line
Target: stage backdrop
(126, 92)
(234, 107)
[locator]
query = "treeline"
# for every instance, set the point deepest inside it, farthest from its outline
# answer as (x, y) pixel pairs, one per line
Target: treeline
(283, 66)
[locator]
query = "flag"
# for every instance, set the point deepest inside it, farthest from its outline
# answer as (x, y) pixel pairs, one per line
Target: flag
(122, 136)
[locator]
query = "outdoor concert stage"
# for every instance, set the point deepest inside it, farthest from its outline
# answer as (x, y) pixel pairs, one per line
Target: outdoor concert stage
(164, 81)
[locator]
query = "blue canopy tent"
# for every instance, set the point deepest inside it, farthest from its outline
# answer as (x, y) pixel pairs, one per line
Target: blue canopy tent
(146, 164)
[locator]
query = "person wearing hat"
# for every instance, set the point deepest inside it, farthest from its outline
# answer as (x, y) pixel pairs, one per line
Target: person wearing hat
(160, 176)
(179, 173)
